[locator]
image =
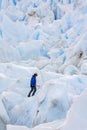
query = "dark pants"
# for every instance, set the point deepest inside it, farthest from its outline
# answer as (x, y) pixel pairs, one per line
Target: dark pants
(33, 90)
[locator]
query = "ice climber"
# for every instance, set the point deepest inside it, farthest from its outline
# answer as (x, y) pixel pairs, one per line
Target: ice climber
(33, 85)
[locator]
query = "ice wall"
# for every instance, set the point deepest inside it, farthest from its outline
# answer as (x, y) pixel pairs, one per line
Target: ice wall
(4, 118)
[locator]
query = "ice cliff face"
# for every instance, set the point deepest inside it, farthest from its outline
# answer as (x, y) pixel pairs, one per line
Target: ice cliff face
(4, 118)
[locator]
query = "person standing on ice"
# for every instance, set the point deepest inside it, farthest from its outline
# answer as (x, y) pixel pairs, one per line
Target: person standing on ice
(33, 85)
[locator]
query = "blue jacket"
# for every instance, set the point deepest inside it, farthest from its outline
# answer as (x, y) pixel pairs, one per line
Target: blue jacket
(33, 81)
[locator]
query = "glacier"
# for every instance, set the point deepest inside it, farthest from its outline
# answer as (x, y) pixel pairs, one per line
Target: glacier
(47, 37)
